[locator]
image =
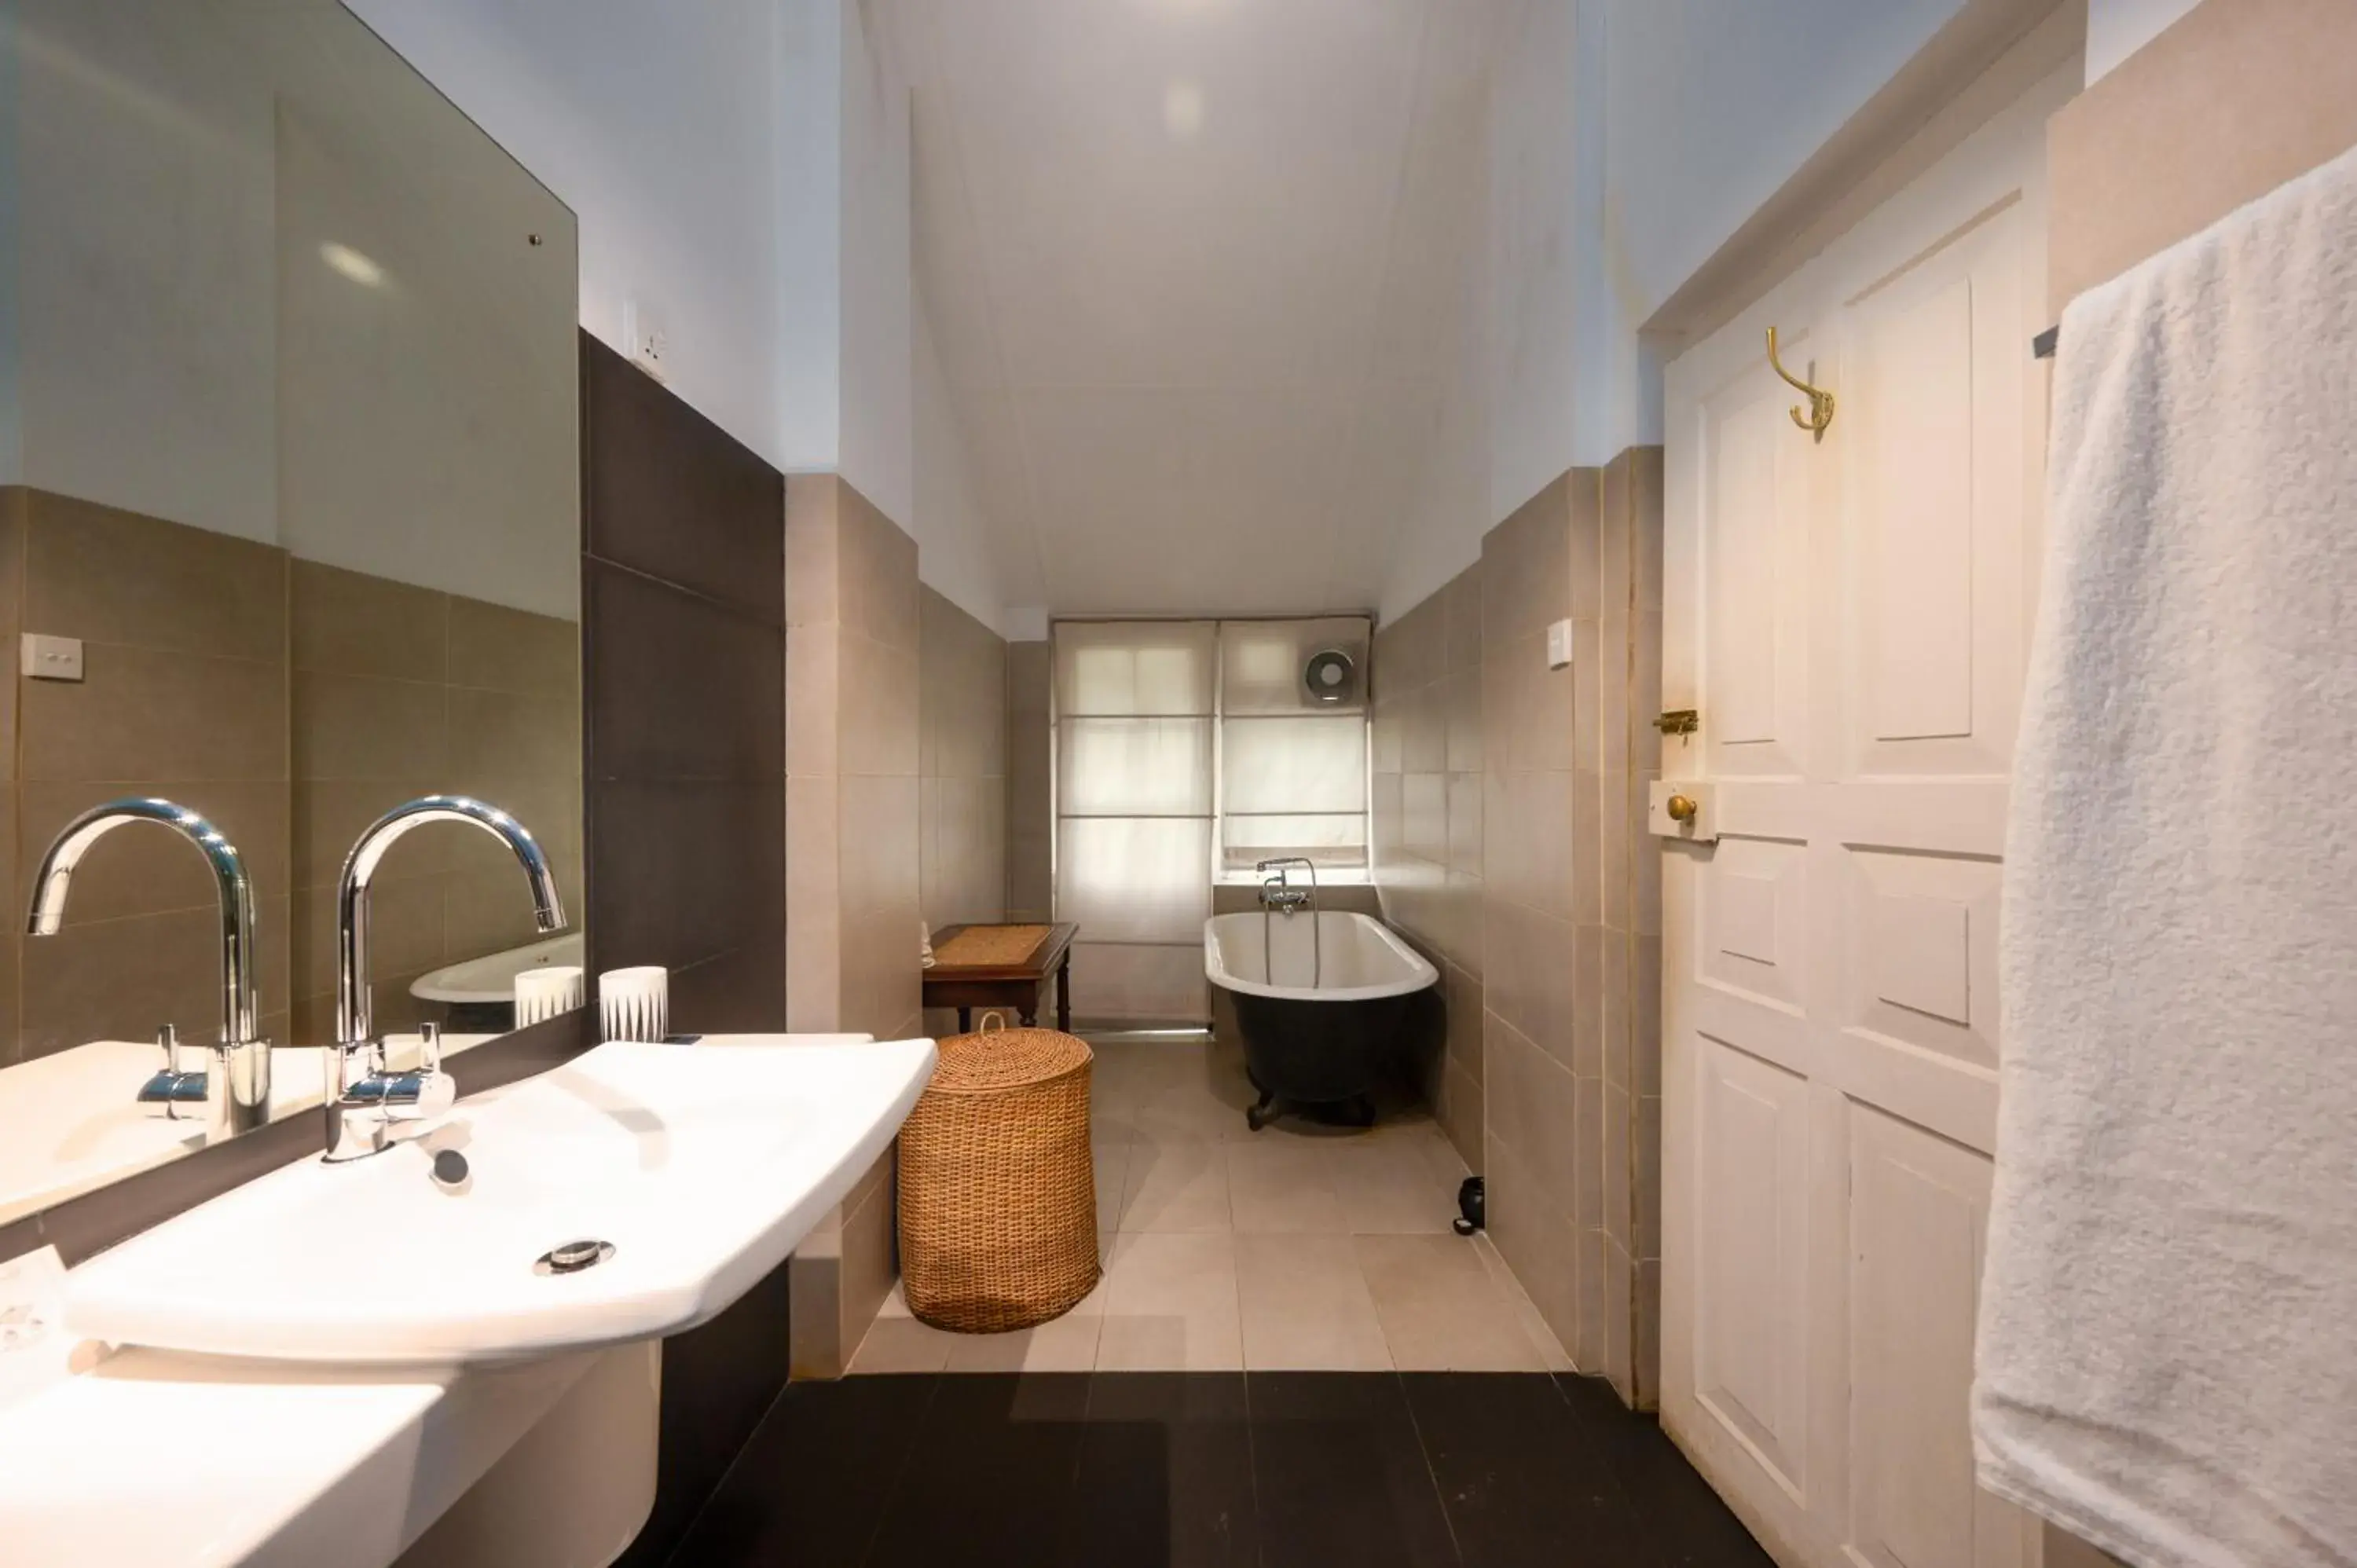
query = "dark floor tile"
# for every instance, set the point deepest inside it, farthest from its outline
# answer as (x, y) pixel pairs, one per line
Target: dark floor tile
(1165, 1475)
(990, 1479)
(1339, 1475)
(720, 1384)
(812, 1486)
(1523, 1484)
(1690, 1527)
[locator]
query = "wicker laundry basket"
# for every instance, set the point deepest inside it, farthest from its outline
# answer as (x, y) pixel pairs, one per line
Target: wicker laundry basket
(998, 1208)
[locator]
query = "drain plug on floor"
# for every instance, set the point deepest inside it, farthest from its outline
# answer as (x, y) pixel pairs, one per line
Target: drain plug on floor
(573, 1256)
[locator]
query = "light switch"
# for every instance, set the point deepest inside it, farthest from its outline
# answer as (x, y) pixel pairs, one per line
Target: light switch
(52, 658)
(1558, 644)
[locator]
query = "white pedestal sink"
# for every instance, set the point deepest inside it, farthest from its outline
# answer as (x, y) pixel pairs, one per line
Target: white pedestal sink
(691, 1169)
(373, 1347)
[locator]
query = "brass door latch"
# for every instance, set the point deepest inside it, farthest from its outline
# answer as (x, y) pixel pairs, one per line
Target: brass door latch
(1679, 721)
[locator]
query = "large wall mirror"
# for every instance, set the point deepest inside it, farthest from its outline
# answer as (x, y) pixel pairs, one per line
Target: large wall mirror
(288, 450)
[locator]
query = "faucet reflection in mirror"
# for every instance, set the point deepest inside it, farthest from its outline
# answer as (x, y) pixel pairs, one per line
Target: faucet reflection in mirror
(235, 1085)
(365, 1101)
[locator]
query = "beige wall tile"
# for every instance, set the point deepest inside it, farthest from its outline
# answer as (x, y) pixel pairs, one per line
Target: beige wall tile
(14, 499)
(1534, 1240)
(877, 593)
(350, 623)
(1647, 474)
(867, 1270)
(511, 734)
(815, 915)
(330, 814)
(405, 931)
(1530, 1100)
(123, 979)
(143, 714)
(505, 649)
(814, 548)
(142, 869)
(362, 726)
(118, 577)
(876, 725)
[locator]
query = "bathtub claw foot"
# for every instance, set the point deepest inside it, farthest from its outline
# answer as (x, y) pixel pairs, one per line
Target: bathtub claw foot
(1260, 1115)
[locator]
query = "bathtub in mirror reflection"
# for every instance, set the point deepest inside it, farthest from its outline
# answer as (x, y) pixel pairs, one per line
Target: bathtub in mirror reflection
(298, 469)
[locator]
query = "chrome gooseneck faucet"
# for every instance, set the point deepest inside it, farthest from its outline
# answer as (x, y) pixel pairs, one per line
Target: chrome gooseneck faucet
(365, 1100)
(235, 1086)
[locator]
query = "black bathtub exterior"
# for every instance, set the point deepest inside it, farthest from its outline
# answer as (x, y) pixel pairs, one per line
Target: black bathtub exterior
(1314, 1054)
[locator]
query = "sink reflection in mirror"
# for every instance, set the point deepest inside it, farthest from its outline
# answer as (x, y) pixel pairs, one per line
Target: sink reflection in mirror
(296, 474)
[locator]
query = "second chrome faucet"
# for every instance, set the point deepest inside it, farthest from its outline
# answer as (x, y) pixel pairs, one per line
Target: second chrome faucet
(366, 1101)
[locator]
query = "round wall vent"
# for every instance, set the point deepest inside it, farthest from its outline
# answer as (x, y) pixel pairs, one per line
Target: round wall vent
(1331, 677)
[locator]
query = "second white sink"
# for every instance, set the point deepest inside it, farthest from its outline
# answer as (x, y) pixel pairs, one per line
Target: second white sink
(700, 1167)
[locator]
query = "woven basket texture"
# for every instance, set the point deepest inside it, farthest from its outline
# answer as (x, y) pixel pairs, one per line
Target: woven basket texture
(998, 1208)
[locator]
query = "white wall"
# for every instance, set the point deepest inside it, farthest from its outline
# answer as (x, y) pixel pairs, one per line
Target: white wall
(953, 554)
(876, 452)
(741, 170)
(12, 433)
(143, 300)
(1533, 249)
(2117, 29)
(657, 125)
(1709, 107)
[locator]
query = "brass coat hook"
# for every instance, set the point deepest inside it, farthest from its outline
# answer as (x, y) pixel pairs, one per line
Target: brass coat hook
(1821, 401)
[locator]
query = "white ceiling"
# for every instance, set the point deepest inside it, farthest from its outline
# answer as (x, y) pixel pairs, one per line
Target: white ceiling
(1190, 266)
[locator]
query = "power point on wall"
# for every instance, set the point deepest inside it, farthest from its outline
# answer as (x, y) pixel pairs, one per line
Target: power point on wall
(51, 658)
(644, 339)
(1558, 644)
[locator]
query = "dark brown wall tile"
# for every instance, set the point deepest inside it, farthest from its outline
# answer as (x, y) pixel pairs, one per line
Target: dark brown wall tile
(113, 576)
(687, 870)
(681, 687)
(673, 495)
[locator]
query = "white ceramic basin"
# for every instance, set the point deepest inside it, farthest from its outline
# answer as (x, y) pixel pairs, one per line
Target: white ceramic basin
(702, 1166)
(490, 980)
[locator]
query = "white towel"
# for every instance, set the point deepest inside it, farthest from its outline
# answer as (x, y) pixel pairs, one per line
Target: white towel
(2168, 1357)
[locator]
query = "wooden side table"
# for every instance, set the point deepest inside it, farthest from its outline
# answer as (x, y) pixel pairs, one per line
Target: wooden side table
(1004, 981)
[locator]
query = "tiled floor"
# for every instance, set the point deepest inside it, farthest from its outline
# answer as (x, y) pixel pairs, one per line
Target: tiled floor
(1161, 1470)
(1299, 1248)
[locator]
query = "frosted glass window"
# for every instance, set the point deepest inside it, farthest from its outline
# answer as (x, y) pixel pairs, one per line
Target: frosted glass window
(1132, 668)
(1135, 879)
(1261, 663)
(1134, 767)
(1184, 748)
(1294, 765)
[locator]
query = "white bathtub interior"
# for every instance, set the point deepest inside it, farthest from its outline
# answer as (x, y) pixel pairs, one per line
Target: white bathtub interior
(1341, 958)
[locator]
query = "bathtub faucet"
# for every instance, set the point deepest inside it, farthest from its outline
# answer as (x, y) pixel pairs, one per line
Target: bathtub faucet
(1278, 892)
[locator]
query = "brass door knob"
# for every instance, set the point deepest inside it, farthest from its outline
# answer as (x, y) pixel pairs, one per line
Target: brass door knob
(1684, 809)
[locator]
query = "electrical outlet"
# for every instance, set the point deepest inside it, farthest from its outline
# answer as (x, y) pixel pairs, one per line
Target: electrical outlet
(52, 658)
(645, 339)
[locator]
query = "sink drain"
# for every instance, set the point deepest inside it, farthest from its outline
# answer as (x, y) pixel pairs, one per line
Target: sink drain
(573, 1256)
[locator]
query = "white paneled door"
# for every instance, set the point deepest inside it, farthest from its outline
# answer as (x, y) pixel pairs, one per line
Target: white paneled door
(1850, 617)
